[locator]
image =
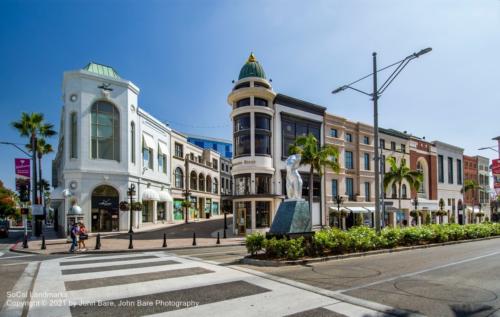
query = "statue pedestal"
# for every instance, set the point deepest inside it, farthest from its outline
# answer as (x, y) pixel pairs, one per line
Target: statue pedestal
(292, 217)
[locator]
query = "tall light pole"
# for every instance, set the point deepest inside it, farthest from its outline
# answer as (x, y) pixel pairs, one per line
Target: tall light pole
(375, 95)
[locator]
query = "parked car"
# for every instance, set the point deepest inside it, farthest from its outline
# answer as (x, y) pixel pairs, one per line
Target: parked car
(4, 229)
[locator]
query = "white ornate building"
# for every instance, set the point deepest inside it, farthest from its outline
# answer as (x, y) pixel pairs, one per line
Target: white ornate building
(106, 144)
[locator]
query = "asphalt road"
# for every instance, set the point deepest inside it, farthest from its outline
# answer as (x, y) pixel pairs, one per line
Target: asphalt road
(454, 280)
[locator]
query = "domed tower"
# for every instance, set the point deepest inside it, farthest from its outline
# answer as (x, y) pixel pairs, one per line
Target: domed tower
(253, 114)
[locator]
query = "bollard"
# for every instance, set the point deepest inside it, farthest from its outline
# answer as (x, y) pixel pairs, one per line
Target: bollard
(224, 236)
(130, 245)
(43, 243)
(194, 238)
(25, 242)
(98, 242)
(164, 240)
(218, 238)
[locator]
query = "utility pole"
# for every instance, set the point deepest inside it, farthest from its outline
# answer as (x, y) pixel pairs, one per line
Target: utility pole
(377, 157)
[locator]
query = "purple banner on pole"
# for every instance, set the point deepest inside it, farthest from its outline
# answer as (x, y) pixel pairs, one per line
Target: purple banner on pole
(23, 168)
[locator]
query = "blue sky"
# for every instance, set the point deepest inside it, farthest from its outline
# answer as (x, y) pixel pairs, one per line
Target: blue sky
(184, 55)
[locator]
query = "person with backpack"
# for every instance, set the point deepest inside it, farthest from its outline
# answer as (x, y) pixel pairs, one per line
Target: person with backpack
(82, 237)
(74, 236)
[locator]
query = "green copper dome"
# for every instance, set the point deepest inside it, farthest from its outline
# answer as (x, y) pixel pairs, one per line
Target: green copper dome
(252, 68)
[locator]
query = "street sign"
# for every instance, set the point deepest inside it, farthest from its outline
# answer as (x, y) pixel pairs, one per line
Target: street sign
(495, 166)
(37, 210)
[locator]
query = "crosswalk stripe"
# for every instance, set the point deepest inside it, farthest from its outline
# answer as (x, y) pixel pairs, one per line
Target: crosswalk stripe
(88, 257)
(125, 272)
(70, 264)
(282, 300)
(114, 263)
(354, 311)
(141, 289)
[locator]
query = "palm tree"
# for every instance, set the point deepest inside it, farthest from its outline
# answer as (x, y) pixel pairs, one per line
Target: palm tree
(470, 186)
(316, 157)
(400, 173)
(33, 126)
(42, 148)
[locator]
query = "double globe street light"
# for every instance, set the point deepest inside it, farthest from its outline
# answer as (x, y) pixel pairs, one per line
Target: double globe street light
(375, 95)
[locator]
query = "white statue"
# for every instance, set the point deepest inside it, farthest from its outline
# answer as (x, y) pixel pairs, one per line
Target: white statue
(293, 179)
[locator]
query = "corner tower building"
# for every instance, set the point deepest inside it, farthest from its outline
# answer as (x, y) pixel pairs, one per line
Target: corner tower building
(265, 124)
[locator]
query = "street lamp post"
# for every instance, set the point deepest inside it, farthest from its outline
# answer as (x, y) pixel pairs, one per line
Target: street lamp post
(375, 95)
(339, 200)
(415, 202)
(131, 194)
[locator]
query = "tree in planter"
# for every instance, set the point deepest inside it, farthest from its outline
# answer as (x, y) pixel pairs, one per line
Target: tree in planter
(186, 204)
(400, 173)
(441, 211)
(469, 186)
(358, 220)
(42, 148)
(316, 157)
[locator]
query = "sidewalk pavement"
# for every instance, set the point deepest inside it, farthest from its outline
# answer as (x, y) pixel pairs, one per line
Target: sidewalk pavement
(179, 236)
(111, 245)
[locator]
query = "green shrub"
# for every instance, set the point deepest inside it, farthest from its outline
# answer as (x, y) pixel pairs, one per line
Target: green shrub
(427, 218)
(254, 242)
(275, 248)
(363, 239)
(295, 248)
(390, 237)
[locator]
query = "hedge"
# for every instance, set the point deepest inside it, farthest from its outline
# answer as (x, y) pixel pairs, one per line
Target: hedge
(358, 239)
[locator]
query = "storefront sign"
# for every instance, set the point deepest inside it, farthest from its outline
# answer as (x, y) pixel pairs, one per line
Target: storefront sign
(495, 166)
(245, 162)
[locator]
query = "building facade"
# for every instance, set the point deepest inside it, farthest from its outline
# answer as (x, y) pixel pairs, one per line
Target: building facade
(397, 202)
(450, 168)
(265, 124)
(354, 184)
(471, 173)
(224, 147)
(107, 143)
(195, 178)
(226, 185)
(483, 170)
(423, 157)
(476, 168)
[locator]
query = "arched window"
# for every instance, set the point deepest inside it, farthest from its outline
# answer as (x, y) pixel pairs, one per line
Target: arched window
(193, 180)
(403, 191)
(209, 184)
(201, 183)
(215, 186)
(179, 178)
(420, 168)
(105, 131)
(74, 134)
(394, 191)
(132, 142)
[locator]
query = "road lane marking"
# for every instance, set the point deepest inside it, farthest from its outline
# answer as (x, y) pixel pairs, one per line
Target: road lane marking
(23, 285)
(16, 256)
(417, 272)
(16, 263)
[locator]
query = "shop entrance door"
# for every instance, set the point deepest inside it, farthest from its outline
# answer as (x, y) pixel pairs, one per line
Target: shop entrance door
(105, 215)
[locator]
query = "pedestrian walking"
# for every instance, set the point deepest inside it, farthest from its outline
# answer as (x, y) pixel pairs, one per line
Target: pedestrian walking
(74, 237)
(82, 237)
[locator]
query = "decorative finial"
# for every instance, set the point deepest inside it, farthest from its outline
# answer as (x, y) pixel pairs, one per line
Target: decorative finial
(251, 58)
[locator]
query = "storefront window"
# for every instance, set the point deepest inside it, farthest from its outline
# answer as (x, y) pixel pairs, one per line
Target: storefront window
(243, 216)
(292, 127)
(147, 212)
(178, 210)
(215, 208)
(263, 183)
(161, 211)
(262, 214)
(242, 184)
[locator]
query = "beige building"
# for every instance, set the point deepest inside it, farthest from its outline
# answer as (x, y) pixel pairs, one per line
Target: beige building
(196, 169)
(355, 181)
(396, 144)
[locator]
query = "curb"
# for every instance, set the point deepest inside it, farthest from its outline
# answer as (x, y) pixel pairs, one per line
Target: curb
(257, 262)
(14, 249)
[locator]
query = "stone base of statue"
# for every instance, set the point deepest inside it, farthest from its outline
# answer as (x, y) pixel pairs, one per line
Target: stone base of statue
(292, 218)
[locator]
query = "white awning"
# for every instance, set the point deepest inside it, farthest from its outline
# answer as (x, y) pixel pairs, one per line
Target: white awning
(163, 148)
(165, 197)
(475, 210)
(358, 210)
(425, 204)
(370, 209)
(148, 140)
(150, 194)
